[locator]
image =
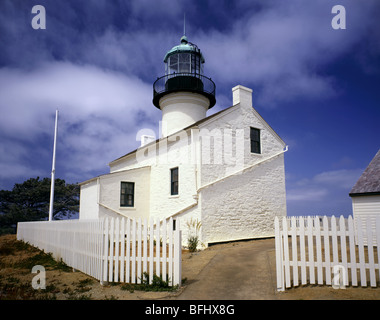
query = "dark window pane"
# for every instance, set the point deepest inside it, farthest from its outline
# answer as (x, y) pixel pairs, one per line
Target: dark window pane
(127, 194)
(174, 181)
(255, 140)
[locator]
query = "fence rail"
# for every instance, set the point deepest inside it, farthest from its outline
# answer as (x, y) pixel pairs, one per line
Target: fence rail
(109, 249)
(322, 250)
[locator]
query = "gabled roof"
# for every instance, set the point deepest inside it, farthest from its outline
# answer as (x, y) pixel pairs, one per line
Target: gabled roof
(369, 181)
(196, 124)
(112, 173)
(187, 128)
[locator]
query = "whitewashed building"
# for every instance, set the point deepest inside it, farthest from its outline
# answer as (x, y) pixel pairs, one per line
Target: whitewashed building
(365, 194)
(225, 170)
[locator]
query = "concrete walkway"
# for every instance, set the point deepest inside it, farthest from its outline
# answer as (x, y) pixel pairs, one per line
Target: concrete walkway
(247, 271)
(244, 270)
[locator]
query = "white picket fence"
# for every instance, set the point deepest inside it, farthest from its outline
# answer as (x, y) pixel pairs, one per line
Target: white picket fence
(327, 250)
(109, 249)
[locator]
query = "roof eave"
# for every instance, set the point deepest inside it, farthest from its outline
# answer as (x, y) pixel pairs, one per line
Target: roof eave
(362, 194)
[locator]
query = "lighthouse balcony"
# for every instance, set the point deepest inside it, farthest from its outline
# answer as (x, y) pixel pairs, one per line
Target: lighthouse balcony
(188, 82)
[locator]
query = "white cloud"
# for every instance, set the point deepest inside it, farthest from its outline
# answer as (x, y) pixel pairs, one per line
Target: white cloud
(339, 178)
(283, 48)
(306, 194)
(100, 113)
(323, 184)
(328, 191)
(103, 102)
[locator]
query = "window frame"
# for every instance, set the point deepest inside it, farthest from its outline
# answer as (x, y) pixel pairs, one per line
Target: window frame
(255, 143)
(124, 196)
(174, 192)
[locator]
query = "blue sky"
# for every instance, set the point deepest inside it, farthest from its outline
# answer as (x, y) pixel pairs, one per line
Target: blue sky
(96, 62)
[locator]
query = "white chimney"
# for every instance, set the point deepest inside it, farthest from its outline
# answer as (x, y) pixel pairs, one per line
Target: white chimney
(145, 139)
(242, 95)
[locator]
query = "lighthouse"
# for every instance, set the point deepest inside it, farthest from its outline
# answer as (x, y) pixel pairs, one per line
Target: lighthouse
(184, 93)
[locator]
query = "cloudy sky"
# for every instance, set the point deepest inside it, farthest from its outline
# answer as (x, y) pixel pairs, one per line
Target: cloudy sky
(96, 62)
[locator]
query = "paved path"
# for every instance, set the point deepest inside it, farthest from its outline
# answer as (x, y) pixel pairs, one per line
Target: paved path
(244, 271)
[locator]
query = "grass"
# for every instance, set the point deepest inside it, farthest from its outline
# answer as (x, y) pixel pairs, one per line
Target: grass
(44, 259)
(158, 284)
(17, 259)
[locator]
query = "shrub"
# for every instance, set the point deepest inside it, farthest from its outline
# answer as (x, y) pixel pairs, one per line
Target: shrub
(194, 227)
(192, 243)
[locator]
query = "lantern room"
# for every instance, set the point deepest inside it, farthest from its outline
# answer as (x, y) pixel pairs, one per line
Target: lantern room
(184, 58)
(184, 73)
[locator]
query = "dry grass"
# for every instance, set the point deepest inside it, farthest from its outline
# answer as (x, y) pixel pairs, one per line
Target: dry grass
(17, 260)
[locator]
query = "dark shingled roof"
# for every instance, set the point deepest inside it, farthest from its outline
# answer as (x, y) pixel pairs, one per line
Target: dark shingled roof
(369, 181)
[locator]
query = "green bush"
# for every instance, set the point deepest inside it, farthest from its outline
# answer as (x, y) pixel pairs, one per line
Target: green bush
(192, 243)
(158, 284)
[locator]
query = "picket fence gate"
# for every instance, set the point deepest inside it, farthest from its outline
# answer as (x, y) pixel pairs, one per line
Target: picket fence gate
(322, 250)
(111, 249)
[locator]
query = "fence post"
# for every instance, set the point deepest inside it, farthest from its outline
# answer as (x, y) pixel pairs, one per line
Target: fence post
(171, 251)
(319, 250)
(279, 256)
(378, 242)
(359, 230)
(177, 255)
(294, 250)
(302, 250)
(371, 260)
(105, 253)
(151, 251)
(342, 229)
(326, 241)
(351, 232)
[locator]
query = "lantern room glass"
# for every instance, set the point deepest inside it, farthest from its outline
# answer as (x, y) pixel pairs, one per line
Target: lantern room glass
(184, 63)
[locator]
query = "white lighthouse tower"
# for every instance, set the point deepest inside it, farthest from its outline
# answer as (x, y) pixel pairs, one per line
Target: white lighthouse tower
(183, 94)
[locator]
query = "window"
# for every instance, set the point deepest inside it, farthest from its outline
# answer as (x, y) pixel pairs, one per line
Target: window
(127, 194)
(255, 140)
(173, 64)
(184, 63)
(174, 181)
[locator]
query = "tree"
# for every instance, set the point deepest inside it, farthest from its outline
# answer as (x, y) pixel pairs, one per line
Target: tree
(29, 201)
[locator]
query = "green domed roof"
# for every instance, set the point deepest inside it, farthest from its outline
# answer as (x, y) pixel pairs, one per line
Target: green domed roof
(184, 47)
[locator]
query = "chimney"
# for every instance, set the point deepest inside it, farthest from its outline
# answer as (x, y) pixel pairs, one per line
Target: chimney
(242, 95)
(145, 139)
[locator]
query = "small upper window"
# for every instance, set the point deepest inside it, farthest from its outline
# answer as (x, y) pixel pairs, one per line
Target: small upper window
(174, 181)
(255, 140)
(127, 194)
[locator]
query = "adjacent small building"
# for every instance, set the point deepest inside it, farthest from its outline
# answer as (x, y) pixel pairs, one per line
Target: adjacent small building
(225, 170)
(365, 194)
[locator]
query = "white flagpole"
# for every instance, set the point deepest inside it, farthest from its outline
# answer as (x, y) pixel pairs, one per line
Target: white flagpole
(53, 169)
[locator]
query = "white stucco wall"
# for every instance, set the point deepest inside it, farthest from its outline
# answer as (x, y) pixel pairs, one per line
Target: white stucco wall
(110, 193)
(88, 204)
(171, 152)
(182, 109)
(101, 196)
(237, 207)
(244, 206)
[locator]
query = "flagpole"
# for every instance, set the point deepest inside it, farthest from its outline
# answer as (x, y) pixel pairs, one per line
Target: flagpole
(53, 169)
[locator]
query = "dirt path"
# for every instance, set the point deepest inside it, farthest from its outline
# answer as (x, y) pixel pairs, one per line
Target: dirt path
(235, 272)
(247, 271)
